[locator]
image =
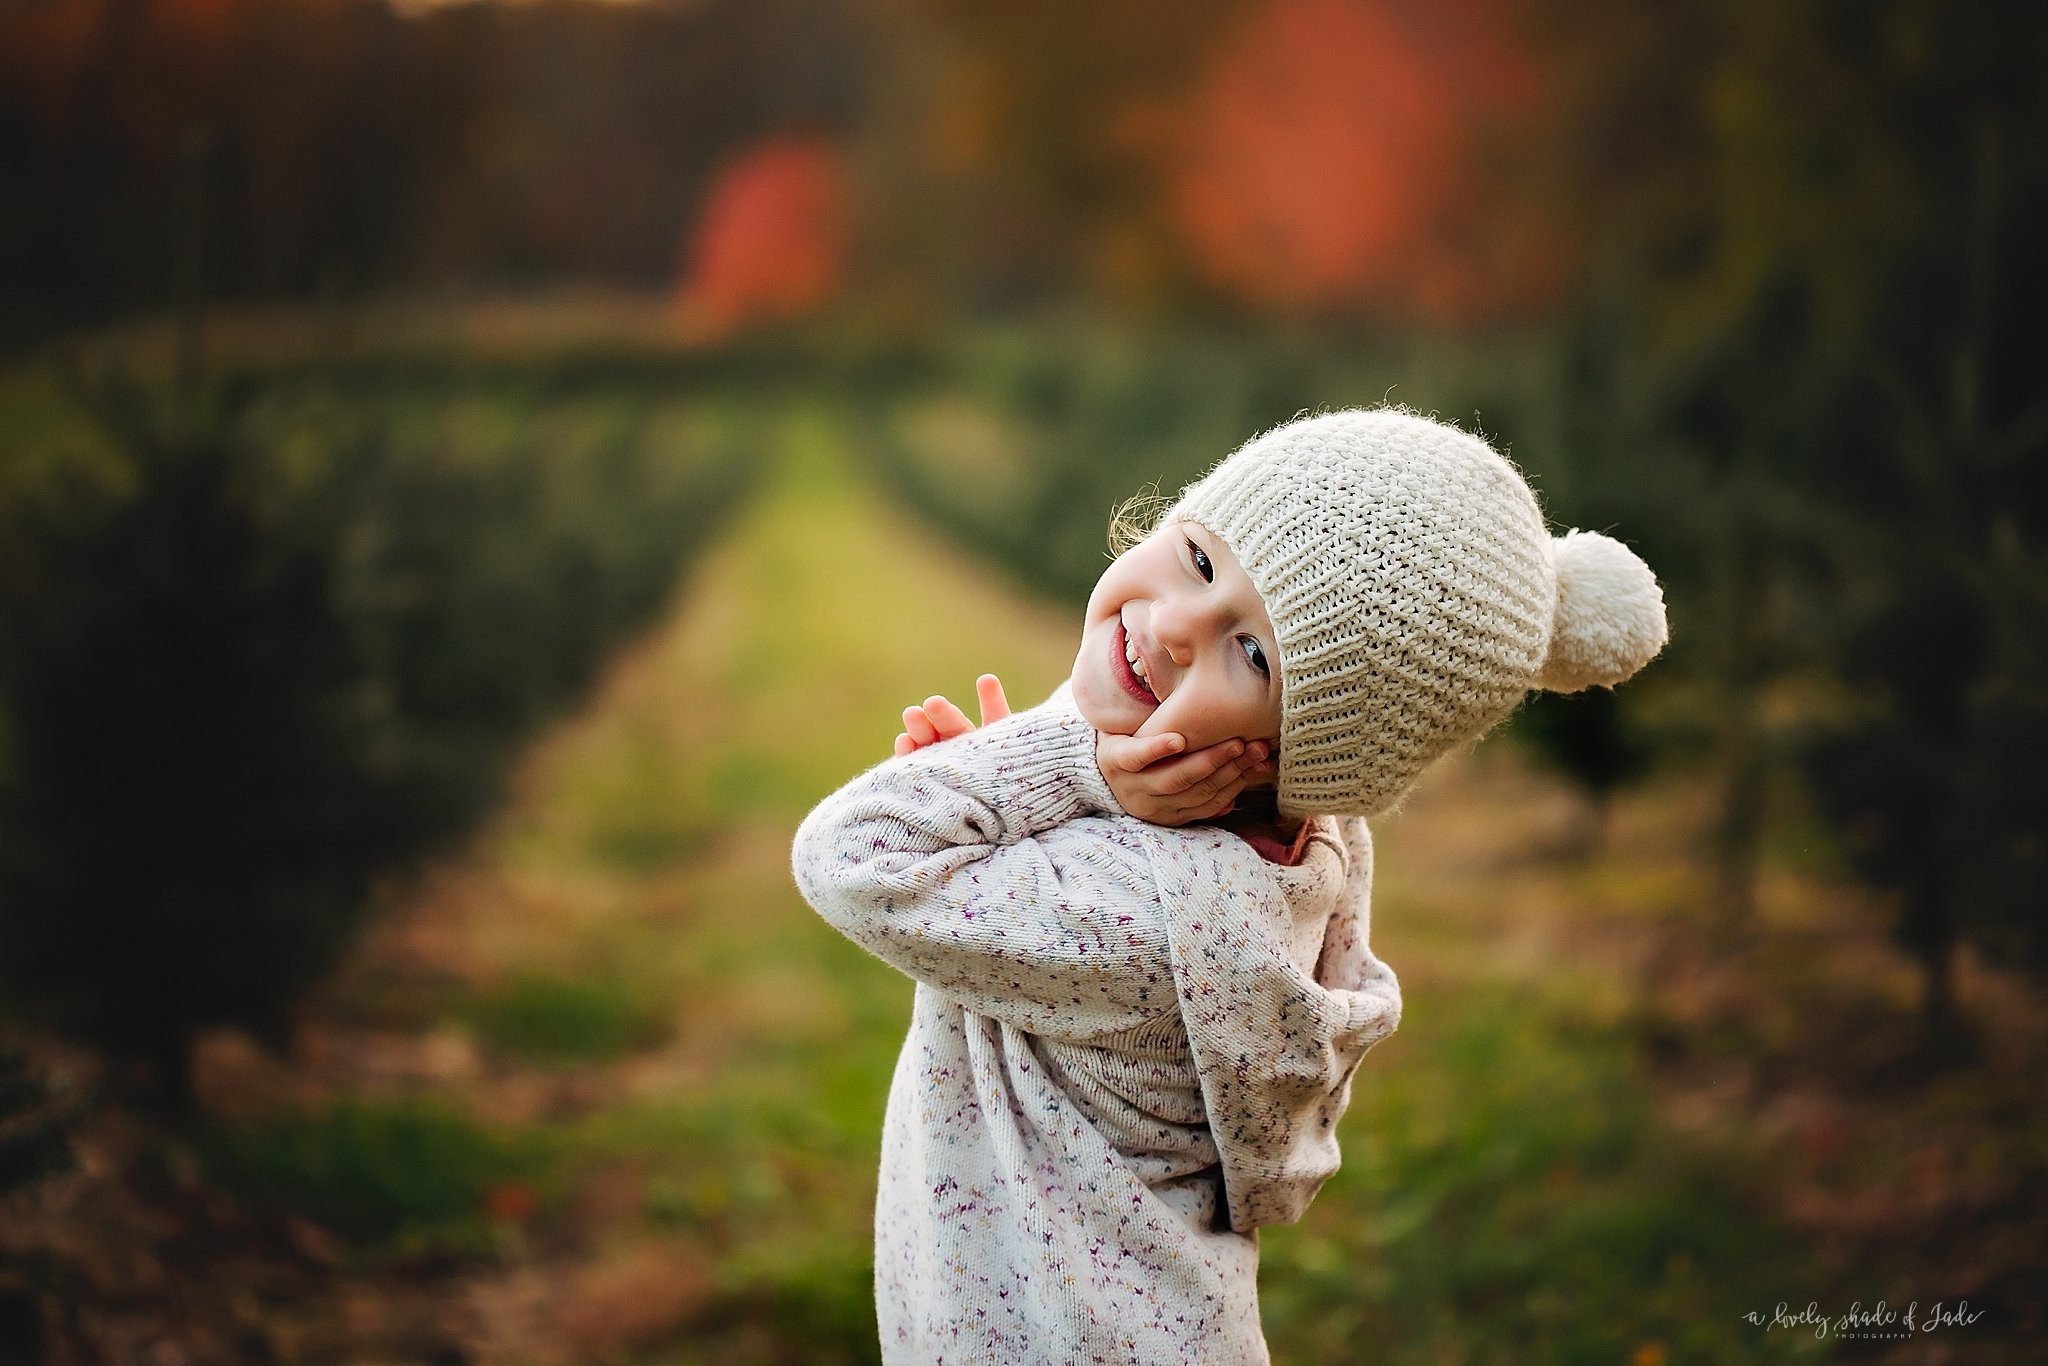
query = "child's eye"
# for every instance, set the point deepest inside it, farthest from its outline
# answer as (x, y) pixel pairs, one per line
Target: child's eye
(1256, 655)
(1202, 565)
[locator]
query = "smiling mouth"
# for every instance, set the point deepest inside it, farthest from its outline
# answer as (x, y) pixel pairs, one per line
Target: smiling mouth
(1120, 666)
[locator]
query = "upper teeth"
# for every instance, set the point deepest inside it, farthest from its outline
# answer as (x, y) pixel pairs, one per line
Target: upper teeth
(1131, 655)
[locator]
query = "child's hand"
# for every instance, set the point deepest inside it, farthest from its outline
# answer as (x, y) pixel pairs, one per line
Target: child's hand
(939, 719)
(1156, 783)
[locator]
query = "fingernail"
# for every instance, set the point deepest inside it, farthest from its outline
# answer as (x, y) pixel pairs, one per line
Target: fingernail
(1176, 744)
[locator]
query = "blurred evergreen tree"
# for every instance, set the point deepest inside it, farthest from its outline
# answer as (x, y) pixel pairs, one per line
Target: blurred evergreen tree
(185, 798)
(1824, 220)
(246, 684)
(1938, 774)
(1729, 169)
(1587, 737)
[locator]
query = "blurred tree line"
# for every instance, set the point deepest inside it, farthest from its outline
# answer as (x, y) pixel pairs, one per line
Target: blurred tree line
(340, 146)
(1175, 156)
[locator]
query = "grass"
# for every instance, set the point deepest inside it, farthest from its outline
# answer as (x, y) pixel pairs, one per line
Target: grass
(544, 1018)
(394, 1175)
(1509, 1194)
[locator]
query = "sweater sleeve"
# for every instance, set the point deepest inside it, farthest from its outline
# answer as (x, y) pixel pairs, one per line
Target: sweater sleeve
(998, 869)
(1276, 1044)
(1348, 962)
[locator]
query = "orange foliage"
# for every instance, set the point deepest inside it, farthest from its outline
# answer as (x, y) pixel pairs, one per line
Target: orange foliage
(771, 242)
(1332, 160)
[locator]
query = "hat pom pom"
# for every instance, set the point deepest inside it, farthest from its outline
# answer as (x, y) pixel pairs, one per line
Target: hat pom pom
(1610, 614)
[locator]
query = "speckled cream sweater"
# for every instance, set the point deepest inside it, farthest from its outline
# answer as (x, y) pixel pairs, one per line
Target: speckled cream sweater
(1129, 1048)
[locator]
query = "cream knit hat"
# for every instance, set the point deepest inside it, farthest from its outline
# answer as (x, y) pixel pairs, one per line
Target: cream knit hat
(1416, 593)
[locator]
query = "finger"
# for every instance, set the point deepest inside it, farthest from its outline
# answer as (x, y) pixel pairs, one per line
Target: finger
(1208, 808)
(1228, 782)
(947, 718)
(1245, 767)
(919, 726)
(904, 744)
(988, 690)
(1204, 806)
(1133, 754)
(1223, 785)
(1202, 766)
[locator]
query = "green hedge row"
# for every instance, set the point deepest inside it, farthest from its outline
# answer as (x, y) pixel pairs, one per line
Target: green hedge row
(266, 639)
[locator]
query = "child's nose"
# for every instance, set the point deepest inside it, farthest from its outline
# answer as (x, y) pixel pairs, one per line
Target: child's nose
(1178, 624)
(1168, 632)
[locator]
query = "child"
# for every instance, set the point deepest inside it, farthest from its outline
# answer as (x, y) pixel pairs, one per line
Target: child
(1135, 1028)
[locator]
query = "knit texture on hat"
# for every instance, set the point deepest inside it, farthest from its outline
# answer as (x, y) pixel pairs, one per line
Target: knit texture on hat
(1414, 590)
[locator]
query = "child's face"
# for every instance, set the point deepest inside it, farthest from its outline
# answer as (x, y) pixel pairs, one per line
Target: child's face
(1202, 636)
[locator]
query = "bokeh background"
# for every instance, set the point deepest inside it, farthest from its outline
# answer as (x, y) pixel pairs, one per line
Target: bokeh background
(473, 474)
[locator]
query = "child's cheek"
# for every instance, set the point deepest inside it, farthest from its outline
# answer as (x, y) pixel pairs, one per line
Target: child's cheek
(1095, 710)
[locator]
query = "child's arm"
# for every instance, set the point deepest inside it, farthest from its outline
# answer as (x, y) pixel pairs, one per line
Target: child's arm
(1347, 962)
(985, 868)
(1277, 1044)
(1144, 774)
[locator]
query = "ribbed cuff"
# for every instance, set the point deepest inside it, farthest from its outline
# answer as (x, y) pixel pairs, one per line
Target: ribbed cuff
(1091, 787)
(1044, 761)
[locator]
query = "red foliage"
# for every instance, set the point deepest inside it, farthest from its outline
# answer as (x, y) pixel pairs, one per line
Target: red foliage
(511, 1202)
(771, 242)
(1333, 159)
